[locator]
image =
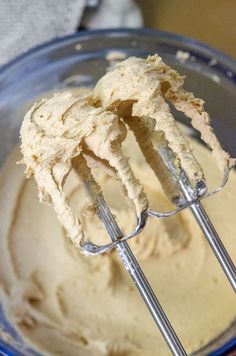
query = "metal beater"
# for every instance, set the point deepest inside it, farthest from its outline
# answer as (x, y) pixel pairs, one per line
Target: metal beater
(190, 197)
(41, 122)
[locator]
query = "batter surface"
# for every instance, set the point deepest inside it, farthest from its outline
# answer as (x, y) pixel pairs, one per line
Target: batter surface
(67, 304)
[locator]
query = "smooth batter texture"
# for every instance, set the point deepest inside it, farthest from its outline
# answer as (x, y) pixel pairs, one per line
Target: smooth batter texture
(68, 304)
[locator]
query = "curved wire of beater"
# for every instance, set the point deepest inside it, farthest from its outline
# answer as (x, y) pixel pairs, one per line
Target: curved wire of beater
(199, 196)
(224, 181)
(89, 248)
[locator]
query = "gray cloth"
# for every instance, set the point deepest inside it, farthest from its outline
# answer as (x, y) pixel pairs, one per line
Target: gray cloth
(26, 23)
(114, 13)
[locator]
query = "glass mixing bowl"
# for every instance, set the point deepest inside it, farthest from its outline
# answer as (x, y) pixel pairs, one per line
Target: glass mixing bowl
(80, 60)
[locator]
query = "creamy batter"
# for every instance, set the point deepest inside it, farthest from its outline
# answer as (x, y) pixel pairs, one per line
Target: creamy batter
(68, 130)
(67, 304)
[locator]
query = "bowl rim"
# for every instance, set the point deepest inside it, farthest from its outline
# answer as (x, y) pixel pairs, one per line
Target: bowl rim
(84, 34)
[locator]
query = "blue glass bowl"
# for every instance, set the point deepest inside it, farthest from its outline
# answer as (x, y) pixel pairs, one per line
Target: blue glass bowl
(80, 60)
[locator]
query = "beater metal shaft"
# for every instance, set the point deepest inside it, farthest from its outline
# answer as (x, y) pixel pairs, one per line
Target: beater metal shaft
(211, 235)
(193, 195)
(137, 275)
